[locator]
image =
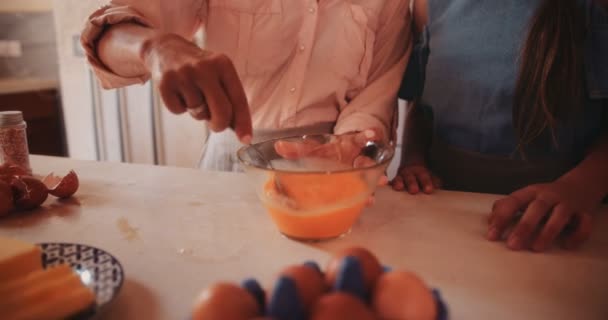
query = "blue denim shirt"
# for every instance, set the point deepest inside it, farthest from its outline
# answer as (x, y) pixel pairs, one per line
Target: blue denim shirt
(464, 73)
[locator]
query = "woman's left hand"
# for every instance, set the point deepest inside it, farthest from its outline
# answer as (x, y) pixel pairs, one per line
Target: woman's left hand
(345, 148)
(551, 210)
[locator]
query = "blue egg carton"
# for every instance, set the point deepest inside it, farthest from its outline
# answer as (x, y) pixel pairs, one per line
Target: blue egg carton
(285, 304)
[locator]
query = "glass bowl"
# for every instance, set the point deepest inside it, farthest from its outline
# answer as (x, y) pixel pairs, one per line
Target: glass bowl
(318, 189)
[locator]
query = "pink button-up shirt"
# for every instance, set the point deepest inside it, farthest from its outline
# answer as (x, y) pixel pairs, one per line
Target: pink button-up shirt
(301, 62)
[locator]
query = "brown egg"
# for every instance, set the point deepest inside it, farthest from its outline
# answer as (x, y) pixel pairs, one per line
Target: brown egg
(6, 198)
(225, 301)
(62, 187)
(402, 295)
(369, 263)
(338, 306)
(28, 192)
(309, 282)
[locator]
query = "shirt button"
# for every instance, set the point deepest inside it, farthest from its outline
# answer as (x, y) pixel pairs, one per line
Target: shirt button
(292, 90)
(311, 10)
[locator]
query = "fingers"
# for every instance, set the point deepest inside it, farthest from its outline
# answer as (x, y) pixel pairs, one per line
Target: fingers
(556, 223)
(170, 93)
(363, 161)
(581, 233)
(505, 209)
(528, 224)
(363, 137)
(212, 89)
(411, 183)
(217, 101)
(425, 181)
(416, 179)
(241, 121)
(294, 150)
(201, 112)
(397, 183)
(192, 95)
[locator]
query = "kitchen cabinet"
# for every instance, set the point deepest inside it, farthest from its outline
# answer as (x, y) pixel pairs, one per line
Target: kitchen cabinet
(41, 107)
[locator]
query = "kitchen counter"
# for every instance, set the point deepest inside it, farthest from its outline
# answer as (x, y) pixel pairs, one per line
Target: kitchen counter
(188, 229)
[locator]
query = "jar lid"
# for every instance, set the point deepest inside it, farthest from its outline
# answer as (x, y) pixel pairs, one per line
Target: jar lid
(10, 118)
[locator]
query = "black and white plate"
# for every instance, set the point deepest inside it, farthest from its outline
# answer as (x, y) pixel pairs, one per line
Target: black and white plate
(98, 269)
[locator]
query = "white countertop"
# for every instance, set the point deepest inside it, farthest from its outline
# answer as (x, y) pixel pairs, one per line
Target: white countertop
(216, 218)
(17, 85)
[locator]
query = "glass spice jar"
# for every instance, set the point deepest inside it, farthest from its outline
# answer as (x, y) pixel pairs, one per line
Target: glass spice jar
(13, 140)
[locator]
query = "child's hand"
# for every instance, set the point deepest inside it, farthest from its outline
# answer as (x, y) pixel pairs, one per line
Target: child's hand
(549, 210)
(414, 177)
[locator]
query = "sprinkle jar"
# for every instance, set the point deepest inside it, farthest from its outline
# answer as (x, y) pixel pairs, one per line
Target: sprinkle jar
(13, 140)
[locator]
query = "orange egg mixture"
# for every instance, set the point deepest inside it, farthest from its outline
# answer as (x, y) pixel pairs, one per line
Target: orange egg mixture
(315, 206)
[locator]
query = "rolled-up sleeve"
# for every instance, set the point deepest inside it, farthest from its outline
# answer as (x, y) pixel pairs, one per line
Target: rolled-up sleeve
(180, 17)
(376, 105)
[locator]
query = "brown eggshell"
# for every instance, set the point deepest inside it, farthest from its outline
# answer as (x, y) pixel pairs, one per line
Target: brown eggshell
(340, 305)
(225, 301)
(369, 263)
(6, 199)
(62, 187)
(403, 295)
(309, 282)
(28, 192)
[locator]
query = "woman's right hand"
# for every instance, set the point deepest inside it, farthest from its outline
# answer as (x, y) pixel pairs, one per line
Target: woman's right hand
(415, 176)
(201, 82)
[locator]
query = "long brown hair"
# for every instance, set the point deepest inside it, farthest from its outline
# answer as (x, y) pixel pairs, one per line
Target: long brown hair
(550, 82)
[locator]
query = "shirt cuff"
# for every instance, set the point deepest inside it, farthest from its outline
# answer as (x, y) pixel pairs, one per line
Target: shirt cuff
(96, 25)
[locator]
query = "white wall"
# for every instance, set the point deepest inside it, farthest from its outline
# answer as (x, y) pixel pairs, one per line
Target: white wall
(26, 5)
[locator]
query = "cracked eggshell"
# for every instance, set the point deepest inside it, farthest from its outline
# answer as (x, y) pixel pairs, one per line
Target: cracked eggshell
(62, 187)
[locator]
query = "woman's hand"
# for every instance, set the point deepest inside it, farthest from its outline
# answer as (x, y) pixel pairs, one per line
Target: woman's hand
(415, 176)
(204, 83)
(346, 148)
(551, 210)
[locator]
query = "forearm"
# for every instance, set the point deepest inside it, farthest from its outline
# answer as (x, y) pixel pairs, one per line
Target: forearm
(122, 48)
(592, 172)
(417, 135)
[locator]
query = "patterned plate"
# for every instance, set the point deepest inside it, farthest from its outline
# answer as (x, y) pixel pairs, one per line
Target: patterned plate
(98, 269)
